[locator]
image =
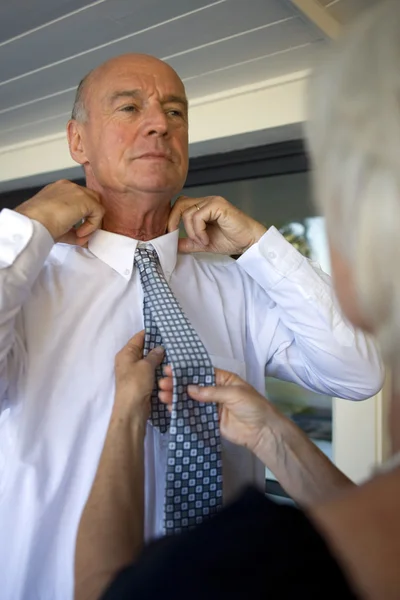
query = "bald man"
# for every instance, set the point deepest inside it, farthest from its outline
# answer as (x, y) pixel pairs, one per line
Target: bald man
(71, 298)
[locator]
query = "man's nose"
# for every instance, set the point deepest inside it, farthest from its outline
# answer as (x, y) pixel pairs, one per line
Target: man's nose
(156, 122)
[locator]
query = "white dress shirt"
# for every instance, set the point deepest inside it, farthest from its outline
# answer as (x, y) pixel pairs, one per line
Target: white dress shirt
(64, 314)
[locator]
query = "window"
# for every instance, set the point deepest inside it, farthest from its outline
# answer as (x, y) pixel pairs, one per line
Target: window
(284, 200)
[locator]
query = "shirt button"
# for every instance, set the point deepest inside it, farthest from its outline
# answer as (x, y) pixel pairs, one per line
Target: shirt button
(271, 255)
(17, 237)
(127, 272)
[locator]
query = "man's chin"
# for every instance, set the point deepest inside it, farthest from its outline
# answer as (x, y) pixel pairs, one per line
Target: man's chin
(154, 188)
(154, 184)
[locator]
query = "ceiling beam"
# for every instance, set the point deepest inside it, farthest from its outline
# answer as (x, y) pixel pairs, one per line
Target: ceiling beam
(319, 16)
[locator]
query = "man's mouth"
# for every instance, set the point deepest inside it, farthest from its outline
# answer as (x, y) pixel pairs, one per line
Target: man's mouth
(156, 156)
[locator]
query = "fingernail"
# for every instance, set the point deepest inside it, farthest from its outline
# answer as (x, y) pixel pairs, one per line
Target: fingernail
(159, 350)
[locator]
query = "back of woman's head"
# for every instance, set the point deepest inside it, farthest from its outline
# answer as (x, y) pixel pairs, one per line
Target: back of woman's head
(354, 140)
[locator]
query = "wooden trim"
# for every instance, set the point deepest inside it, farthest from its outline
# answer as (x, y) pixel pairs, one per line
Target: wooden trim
(320, 17)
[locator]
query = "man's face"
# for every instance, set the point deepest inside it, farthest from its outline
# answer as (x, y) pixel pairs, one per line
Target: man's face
(136, 135)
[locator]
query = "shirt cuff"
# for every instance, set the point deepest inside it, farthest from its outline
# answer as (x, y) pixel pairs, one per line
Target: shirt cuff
(16, 231)
(271, 259)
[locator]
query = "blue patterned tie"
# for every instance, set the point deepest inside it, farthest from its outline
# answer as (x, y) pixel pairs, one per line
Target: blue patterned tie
(194, 464)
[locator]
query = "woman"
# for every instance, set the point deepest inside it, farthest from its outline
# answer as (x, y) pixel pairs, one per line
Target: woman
(255, 548)
(111, 528)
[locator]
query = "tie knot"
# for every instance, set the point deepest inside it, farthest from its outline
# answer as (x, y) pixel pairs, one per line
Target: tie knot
(146, 257)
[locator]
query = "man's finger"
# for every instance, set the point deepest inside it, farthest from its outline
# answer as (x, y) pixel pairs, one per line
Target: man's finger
(201, 220)
(188, 246)
(182, 203)
(93, 220)
(70, 238)
(187, 219)
(175, 216)
(194, 226)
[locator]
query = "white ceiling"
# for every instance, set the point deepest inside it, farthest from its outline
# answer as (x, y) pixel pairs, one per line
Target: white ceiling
(47, 46)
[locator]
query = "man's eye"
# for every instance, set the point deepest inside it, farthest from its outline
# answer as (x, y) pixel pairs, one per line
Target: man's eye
(175, 113)
(128, 108)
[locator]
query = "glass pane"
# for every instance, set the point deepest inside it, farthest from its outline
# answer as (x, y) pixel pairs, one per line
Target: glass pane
(271, 200)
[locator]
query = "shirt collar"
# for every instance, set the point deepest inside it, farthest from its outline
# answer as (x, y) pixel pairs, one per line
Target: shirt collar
(118, 251)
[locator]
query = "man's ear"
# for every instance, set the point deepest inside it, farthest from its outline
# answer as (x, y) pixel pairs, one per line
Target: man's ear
(75, 142)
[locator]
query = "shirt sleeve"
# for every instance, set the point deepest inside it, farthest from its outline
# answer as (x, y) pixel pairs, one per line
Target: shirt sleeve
(24, 247)
(312, 343)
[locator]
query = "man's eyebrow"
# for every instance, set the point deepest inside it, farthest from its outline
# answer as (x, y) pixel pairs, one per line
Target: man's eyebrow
(176, 99)
(138, 94)
(125, 94)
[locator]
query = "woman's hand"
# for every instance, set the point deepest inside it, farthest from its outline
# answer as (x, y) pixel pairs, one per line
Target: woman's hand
(244, 413)
(134, 375)
(247, 418)
(111, 530)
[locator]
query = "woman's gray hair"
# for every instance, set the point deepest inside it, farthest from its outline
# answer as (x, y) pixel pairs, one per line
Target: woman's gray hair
(353, 134)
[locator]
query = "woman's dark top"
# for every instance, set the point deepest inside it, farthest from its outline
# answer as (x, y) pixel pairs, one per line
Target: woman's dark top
(252, 549)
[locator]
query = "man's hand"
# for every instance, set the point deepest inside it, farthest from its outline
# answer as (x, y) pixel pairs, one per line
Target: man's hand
(134, 376)
(244, 414)
(62, 205)
(213, 225)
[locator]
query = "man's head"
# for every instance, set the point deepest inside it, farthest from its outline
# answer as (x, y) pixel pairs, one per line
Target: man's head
(129, 127)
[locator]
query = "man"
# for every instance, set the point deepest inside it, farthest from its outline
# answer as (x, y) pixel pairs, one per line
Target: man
(66, 310)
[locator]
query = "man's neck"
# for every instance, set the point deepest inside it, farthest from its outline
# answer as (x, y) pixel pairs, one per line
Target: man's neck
(135, 220)
(140, 216)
